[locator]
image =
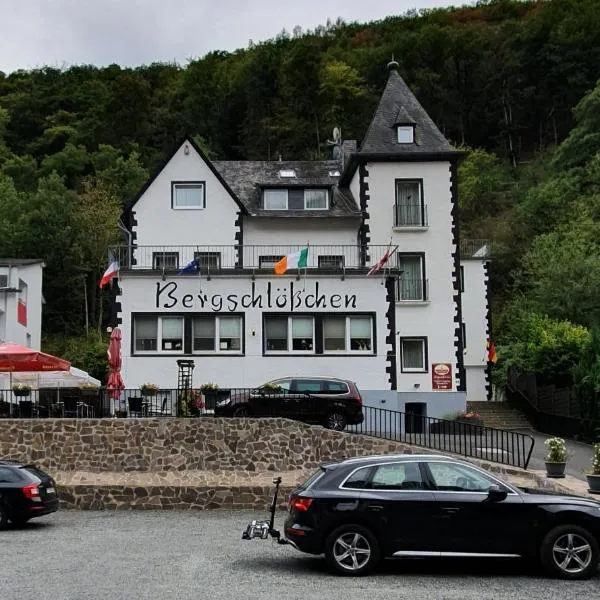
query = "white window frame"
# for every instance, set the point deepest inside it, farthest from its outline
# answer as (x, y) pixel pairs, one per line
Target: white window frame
(422, 288)
(217, 339)
(279, 191)
(348, 349)
(406, 134)
(415, 338)
(290, 341)
(200, 185)
(159, 336)
(325, 190)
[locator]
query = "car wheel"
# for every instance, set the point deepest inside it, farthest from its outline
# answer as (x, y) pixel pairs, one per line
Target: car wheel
(351, 550)
(241, 411)
(336, 420)
(3, 517)
(569, 552)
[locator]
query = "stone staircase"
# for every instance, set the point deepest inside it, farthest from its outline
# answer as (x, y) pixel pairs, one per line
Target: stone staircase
(499, 415)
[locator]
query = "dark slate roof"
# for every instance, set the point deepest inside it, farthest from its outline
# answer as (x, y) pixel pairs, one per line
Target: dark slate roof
(15, 262)
(247, 178)
(399, 105)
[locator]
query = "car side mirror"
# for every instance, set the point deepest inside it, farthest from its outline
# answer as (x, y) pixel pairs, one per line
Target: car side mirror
(496, 493)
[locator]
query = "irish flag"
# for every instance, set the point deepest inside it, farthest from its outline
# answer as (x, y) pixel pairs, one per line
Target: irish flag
(295, 260)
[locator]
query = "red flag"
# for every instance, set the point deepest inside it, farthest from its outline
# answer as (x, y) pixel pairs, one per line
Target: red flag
(492, 355)
(379, 264)
(110, 273)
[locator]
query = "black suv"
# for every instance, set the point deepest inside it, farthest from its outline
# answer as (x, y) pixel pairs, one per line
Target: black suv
(25, 492)
(361, 510)
(331, 402)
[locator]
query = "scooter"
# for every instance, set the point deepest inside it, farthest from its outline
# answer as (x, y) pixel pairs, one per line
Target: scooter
(263, 529)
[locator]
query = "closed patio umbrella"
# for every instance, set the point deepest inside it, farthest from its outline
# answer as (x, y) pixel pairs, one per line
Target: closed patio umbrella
(115, 381)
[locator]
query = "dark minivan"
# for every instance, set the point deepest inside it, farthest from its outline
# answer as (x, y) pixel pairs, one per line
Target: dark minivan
(25, 492)
(333, 403)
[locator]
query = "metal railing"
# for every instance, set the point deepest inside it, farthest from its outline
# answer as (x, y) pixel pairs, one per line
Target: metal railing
(412, 289)
(261, 258)
(468, 438)
(472, 248)
(410, 215)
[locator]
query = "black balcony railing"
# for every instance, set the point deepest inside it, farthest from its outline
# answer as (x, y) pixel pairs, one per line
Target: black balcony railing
(468, 438)
(212, 259)
(471, 248)
(410, 215)
(412, 289)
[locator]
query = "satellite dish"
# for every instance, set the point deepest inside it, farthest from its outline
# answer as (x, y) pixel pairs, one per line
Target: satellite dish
(337, 135)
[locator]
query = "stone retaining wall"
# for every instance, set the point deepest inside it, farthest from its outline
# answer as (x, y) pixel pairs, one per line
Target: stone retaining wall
(162, 444)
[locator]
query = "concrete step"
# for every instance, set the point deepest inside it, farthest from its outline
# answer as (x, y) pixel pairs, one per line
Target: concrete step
(499, 415)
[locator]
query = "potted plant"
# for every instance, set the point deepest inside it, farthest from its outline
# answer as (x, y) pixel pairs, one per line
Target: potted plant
(120, 413)
(593, 477)
(149, 389)
(271, 388)
(210, 391)
(20, 389)
(89, 389)
(556, 457)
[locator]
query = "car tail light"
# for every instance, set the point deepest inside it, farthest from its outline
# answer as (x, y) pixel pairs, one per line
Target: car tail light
(302, 504)
(356, 396)
(32, 492)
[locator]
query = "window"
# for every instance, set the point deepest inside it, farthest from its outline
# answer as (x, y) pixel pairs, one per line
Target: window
(216, 334)
(413, 354)
(315, 199)
(449, 477)
(8, 476)
(268, 262)
(336, 387)
(22, 304)
(154, 333)
(275, 200)
(3, 281)
(462, 279)
(289, 334)
(171, 333)
(308, 385)
(398, 476)
(187, 195)
(406, 134)
(348, 334)
(287, 173)
(411, 284)
(359, 479)
(409, 210)
(165, 260)
(463, 332)
(208, 260)
(284, 384)
(331, 262)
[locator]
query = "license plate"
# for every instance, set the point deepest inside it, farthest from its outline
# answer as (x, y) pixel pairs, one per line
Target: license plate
(50, 490)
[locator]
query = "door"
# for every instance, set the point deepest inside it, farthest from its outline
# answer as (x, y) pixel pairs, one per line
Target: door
(468, 521)
(271, 399)
(398, 498)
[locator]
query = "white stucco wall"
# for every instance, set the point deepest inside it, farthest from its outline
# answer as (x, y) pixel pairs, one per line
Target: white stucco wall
(140, 295)
(10, 329)
(158, 224)
(474, 312)
(433, 319)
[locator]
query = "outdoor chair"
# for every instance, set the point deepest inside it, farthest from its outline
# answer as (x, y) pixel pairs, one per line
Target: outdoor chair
(137, 406)
(165, 410)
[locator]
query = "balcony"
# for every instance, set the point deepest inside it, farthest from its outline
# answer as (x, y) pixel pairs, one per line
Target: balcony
(410, 216)
(224, 259)
(475, 248)
(412, 290)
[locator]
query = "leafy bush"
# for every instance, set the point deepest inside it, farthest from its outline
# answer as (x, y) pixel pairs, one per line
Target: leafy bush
(87, 353)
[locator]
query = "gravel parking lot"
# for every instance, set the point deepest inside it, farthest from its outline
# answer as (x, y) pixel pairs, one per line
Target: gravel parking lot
(75, 555)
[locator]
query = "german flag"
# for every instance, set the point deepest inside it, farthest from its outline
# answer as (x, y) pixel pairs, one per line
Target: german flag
(491, 351)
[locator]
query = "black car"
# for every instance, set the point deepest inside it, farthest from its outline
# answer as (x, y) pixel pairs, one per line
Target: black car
(331, 402)
(362, 510)
(25, 492)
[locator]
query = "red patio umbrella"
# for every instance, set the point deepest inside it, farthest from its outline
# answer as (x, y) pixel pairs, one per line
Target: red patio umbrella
(16, 358)
(115, 381)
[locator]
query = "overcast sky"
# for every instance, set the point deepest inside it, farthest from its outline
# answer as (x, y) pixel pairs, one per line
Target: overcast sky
(35, 33)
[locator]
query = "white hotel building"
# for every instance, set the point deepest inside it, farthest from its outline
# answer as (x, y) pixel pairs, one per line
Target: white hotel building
(398, 334)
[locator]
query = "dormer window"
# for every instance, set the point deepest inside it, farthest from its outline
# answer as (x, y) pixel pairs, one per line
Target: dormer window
(406, 134)
(295, 198)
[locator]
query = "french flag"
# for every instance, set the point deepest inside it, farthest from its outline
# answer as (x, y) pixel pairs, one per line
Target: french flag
(110, 273)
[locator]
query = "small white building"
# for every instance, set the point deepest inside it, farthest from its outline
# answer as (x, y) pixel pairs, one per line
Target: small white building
(397, 334)
(21, 301)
